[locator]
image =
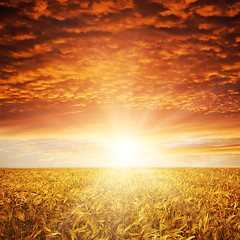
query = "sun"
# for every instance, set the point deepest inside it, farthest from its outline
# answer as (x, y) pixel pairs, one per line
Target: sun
(126, 151)
(125, 148)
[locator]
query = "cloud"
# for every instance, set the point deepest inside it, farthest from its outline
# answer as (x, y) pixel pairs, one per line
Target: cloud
(148, 8)
(155, 50)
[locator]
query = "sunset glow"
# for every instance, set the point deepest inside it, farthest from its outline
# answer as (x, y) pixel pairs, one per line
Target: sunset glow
(74, 74)
(126, 152)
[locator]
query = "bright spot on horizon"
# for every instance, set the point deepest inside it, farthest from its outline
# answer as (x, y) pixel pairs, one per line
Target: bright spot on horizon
(126, 152)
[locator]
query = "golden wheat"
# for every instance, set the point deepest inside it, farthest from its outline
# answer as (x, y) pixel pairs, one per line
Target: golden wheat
(181, 203)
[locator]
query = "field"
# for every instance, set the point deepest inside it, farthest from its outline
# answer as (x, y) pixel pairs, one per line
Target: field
(164, 203)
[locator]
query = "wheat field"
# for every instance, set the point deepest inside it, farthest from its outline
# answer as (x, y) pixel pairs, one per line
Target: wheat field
(161, 203)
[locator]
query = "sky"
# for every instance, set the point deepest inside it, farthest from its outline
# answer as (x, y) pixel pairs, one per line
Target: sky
(75, 76)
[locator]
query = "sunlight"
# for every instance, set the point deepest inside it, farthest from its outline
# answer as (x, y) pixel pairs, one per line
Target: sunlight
(126, 152)
(125, 148)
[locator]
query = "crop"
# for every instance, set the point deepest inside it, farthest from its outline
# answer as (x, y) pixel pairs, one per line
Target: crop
(118, 203)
